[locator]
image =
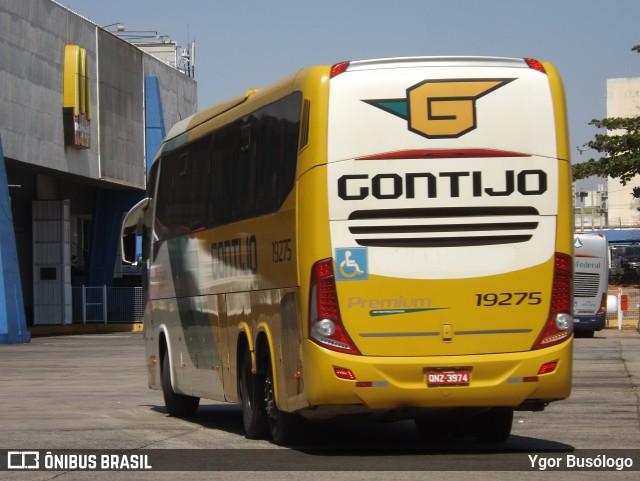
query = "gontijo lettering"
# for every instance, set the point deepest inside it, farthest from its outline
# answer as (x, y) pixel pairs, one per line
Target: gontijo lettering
(235, 257)
(426, 184)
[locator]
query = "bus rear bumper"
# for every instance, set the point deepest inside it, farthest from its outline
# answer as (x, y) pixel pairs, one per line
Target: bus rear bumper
(387, 384)
(589, 323)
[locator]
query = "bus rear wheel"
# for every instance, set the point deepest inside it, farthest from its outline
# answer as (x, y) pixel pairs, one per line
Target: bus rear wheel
(285, 428)
(254, 416)
(494, 426)
(433, 429)
(178, 405)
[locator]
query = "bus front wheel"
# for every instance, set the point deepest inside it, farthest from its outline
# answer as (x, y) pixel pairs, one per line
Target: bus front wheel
(178, 405)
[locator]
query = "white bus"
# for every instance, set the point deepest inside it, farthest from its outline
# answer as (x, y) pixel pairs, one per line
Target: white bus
(591, 283)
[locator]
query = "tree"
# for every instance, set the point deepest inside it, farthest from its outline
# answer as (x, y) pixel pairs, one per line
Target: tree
(620, 146)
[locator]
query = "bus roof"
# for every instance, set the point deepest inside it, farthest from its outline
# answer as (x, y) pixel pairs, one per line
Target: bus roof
(436, 62)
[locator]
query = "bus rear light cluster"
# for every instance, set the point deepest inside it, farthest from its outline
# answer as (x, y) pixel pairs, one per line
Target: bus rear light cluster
(603, 305)
(559, 325)
(325, 324)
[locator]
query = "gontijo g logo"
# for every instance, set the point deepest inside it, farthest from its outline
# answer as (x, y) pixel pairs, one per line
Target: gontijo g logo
(440, 109)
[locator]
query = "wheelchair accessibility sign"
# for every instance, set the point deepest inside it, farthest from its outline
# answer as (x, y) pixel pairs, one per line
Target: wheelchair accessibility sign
(352, 264)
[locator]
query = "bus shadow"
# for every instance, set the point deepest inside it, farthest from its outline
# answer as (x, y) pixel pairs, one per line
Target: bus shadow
(367, 438)
(224, 417)
(401, 437)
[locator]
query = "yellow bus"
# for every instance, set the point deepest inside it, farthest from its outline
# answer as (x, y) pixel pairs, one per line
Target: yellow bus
(386, 238)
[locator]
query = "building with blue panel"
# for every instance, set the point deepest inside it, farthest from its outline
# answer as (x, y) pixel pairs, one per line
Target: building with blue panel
(82, 112)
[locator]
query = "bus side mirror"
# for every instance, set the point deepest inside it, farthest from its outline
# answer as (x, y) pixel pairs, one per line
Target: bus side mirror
(132, 224)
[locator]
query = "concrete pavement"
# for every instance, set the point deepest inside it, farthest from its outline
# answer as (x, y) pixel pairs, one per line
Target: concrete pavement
(80, 392)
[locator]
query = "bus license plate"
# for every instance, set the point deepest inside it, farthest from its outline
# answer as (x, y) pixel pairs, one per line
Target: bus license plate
(447, 377)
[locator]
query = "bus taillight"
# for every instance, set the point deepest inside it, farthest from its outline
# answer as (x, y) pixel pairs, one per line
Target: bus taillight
(339, 68)
(603, 305)
(535, 65)
(560, 321)
(325, 323)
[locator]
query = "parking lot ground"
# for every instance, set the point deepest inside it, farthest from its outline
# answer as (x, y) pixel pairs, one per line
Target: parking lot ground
(89, 392)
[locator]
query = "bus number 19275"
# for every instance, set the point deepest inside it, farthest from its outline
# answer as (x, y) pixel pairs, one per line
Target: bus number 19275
(281, 250)
(490, 299)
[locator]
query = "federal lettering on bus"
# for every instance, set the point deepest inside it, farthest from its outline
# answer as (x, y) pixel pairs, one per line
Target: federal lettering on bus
(591, 271)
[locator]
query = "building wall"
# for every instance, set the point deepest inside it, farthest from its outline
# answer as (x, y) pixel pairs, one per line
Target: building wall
(623, 100)
(33, 35)
(121, 104)
(178, 98)
(32, 40)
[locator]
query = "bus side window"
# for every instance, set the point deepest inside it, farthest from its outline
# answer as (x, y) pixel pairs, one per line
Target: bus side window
(225, 152)
(244, 190)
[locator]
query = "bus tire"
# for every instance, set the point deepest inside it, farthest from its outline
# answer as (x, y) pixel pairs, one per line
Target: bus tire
(254, 416)
(433, 429)
(285, 428)
(178, 405)
(494, 426)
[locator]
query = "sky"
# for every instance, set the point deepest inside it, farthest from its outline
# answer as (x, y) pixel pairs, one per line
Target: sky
(242, 44)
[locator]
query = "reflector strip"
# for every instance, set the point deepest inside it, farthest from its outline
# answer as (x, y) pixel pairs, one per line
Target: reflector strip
(517, 380)
(343, 373)
(442, 153)
(400, 334)
(435, 333)
(493, 331)
(548, 367)
(372, 384)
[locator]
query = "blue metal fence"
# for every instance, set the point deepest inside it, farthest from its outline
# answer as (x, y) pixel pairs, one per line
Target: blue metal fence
(107, 304)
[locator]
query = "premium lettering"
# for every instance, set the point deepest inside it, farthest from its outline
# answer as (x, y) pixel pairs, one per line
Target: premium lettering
(389, 303)
(429, 185)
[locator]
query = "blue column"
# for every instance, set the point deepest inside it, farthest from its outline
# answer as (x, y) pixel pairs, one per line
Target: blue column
(105, 233)
(109, 205)
(154, 128)
(154, 120)
(13, 326)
